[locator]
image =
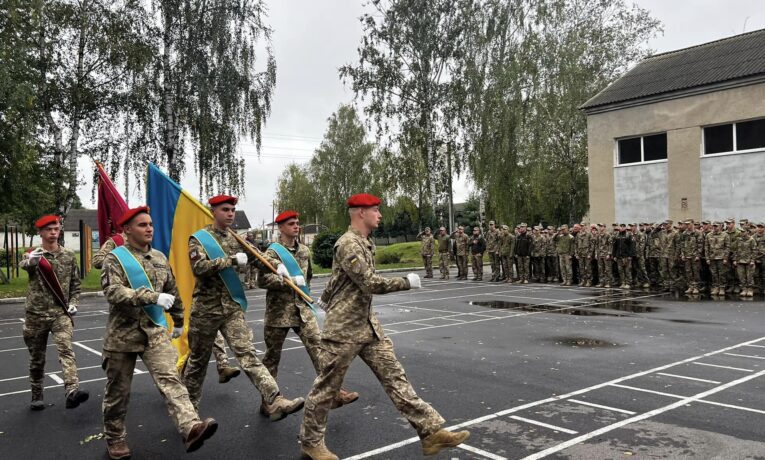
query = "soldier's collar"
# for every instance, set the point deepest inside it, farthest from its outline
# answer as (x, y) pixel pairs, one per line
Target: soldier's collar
(136, 250)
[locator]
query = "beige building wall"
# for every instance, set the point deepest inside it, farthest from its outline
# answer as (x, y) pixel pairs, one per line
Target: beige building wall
(682, 120)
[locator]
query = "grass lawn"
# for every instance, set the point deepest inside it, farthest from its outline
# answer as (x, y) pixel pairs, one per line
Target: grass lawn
(18, 286)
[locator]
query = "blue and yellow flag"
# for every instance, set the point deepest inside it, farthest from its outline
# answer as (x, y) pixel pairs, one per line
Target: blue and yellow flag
(176, 215)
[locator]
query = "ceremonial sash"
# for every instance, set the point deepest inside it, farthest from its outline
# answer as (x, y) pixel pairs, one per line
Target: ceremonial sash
(293, 267)
(138, 278)
(228, 275)
(50, 280)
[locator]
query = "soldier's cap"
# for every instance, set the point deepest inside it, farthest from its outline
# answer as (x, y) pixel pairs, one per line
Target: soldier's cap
(220, 199)
(523, 224)
(614, 225)
(741, 221)
(46, 220)
(128, 215)
(564, 226)
(442, 228)
(706, 222)
(427, 229)
(476, 228)
(715, 224)
(505, 227)
(491, 222)
(730, 221)
(363, 200)
(633, 224)
(601, 225)
(285, 216)
(760, 224)
(550, 227)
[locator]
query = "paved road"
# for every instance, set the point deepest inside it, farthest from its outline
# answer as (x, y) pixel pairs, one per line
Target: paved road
(533, 371)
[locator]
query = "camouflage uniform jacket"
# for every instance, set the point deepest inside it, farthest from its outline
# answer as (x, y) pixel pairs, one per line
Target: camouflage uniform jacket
(585, 246)
(760, 240)
(746, 250)
(283, 306)
(492, 241)
(428, 245)
(549, 246)
(461, 244)
(691, 244)
(668, 244)
(735, 236)
(210, 294)
(100, 255)
(564, 245)
(538, 246)
(640, 243)
(129, 329)
(717, 246)
(348, 295)
(40, 300)
(653, 246)
(443, 243)
(507, 244)
(604, 245)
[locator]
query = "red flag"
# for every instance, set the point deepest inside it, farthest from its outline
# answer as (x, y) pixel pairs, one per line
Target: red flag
(111, 205)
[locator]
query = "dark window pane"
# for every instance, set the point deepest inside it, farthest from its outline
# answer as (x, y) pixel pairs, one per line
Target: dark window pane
(655, 147)
(750, 134)
(718, 139)
(629, 151)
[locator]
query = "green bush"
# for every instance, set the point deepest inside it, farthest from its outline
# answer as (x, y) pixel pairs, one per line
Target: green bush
(322, 248)
(388, 258)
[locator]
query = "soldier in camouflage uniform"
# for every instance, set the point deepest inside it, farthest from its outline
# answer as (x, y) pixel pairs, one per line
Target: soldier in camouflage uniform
(537, 255)
(214, 309)
(623, 251)
(285, 310)
(564, 247)
(585, 248)
(603, 248)
(551, 259)
(507, 251)
(653, 253)
(638, 264)
(461, 248)
(477, 248)
(668, 245)
(45, 315)
(352, 329)
(492, 247)
(705, 283)
(131, 333)
(691, 247)
(426, 251)
(744, 261)
(759, 276)
(733, 283)
(443, 253)
(524, 246)
(98, 258)
(717, 250)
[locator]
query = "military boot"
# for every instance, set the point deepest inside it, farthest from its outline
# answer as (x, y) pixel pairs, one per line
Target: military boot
(282, 407)
(319, 452)
(200, 433)
(37, 399)
(118, 449)
(226, 374)
(442, 439)
(344, 397)
(76, 397)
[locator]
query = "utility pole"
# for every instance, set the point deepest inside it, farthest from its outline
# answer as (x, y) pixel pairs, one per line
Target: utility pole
(450, 194)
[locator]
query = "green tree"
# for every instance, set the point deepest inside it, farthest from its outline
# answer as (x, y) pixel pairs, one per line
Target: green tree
(295, 191)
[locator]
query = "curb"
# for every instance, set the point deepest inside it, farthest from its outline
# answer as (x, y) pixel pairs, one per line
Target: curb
(22, 299)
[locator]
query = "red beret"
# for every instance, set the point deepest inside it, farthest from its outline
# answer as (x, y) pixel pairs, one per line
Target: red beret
(128, 215)
(220, 199)
(363, 200)
(43, 221)
(285, 216)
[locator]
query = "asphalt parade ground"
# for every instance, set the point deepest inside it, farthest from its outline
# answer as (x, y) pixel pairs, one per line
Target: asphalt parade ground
(533, 371)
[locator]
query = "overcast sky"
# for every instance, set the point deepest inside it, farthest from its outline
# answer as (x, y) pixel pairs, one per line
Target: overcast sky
(313, 38)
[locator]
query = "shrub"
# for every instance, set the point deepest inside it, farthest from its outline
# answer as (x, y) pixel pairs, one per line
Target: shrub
(388, 258)
(322, 248)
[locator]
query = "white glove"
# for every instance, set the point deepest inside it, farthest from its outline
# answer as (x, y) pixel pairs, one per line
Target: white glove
(318, 303)
(166, 301)
(414, 280)
(177, 331)
(282, 271)
(72, 310)
(34, 256)
(299, 280)
(241, 259)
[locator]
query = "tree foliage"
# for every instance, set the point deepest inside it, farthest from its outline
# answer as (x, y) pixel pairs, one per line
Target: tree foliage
(296, 191)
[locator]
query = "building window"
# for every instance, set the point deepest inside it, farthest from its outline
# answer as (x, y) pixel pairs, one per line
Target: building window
(642, 149)
(734, 137)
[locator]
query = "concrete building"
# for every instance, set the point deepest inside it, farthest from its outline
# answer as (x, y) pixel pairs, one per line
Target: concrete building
(682, 135)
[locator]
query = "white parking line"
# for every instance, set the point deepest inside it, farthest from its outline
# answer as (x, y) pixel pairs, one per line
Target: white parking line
(725, 367)
(745, 356)
(757, 346)
(600, 406)
(85, 347)
(689, 378)
(705, 401)
(542, 424)
(56, 378)
(481, 452)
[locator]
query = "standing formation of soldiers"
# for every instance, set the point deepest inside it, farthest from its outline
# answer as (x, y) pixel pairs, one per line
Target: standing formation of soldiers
(718, 258)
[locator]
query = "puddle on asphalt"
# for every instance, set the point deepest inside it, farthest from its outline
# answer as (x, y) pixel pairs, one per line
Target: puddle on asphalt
(574, 308)
(584, 342)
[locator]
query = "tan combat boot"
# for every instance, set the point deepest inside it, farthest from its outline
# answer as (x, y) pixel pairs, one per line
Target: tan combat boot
(344, 397)
(118, 449)
(37, 399)
(199, 433)
(282, 407)
(228, 373)
(319, 452)
(442, 439)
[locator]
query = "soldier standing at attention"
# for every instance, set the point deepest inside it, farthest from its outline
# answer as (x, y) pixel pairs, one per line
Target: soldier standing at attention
(140, 288)
(690, 255)
(537, 255)
(523, 248)
(564, 247)
(443, 252)
(551, 260)
(492, 247)
(733, 283)
(717, 249)
(352, 329)
(219, 305)
(461, 248)
(53, 296)
(653, 251)
(759, 276)
(426, 250)
(507, 249)
(285, 310)
(667, 241)
(638, 264)
(623, 251)
(477, 248)
(743, 260)
(603, 250)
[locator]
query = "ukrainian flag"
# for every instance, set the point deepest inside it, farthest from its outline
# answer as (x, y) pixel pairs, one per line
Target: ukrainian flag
(176, 215)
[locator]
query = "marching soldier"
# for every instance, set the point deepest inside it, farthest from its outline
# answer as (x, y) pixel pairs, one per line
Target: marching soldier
(477, 248)
(564, 247)
(507, 251)
(717, 249)
(219, 305)
(603, 250)
(461, 248)
(140, 288)
(492, 247)
(352, 329)
(523, 248)
(53, 296)
(285, 310)
(443, 252)
(427, 250)
(744, 261)
(112, 242)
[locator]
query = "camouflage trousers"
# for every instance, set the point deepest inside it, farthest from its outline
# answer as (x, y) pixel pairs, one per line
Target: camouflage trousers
(693, 272)
(462, 266)
(604, 271)
(202, 331)
(719, 271)
(35, 333)
(427, 261)
(551, 268)
(309, 334)
(443, 264)
(667, 272)
(523, 265)
(585, 270)
(537, 268)
(624, 265)
(496, 266)
(381, 359)
(565, 268)
(219, 351)
(654, 276)
(507, 268)
(477, 262)
(160, 359)
(639, 271)
(745, 274)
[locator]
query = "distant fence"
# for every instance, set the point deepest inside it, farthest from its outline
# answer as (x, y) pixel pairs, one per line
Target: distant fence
(388, 240)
